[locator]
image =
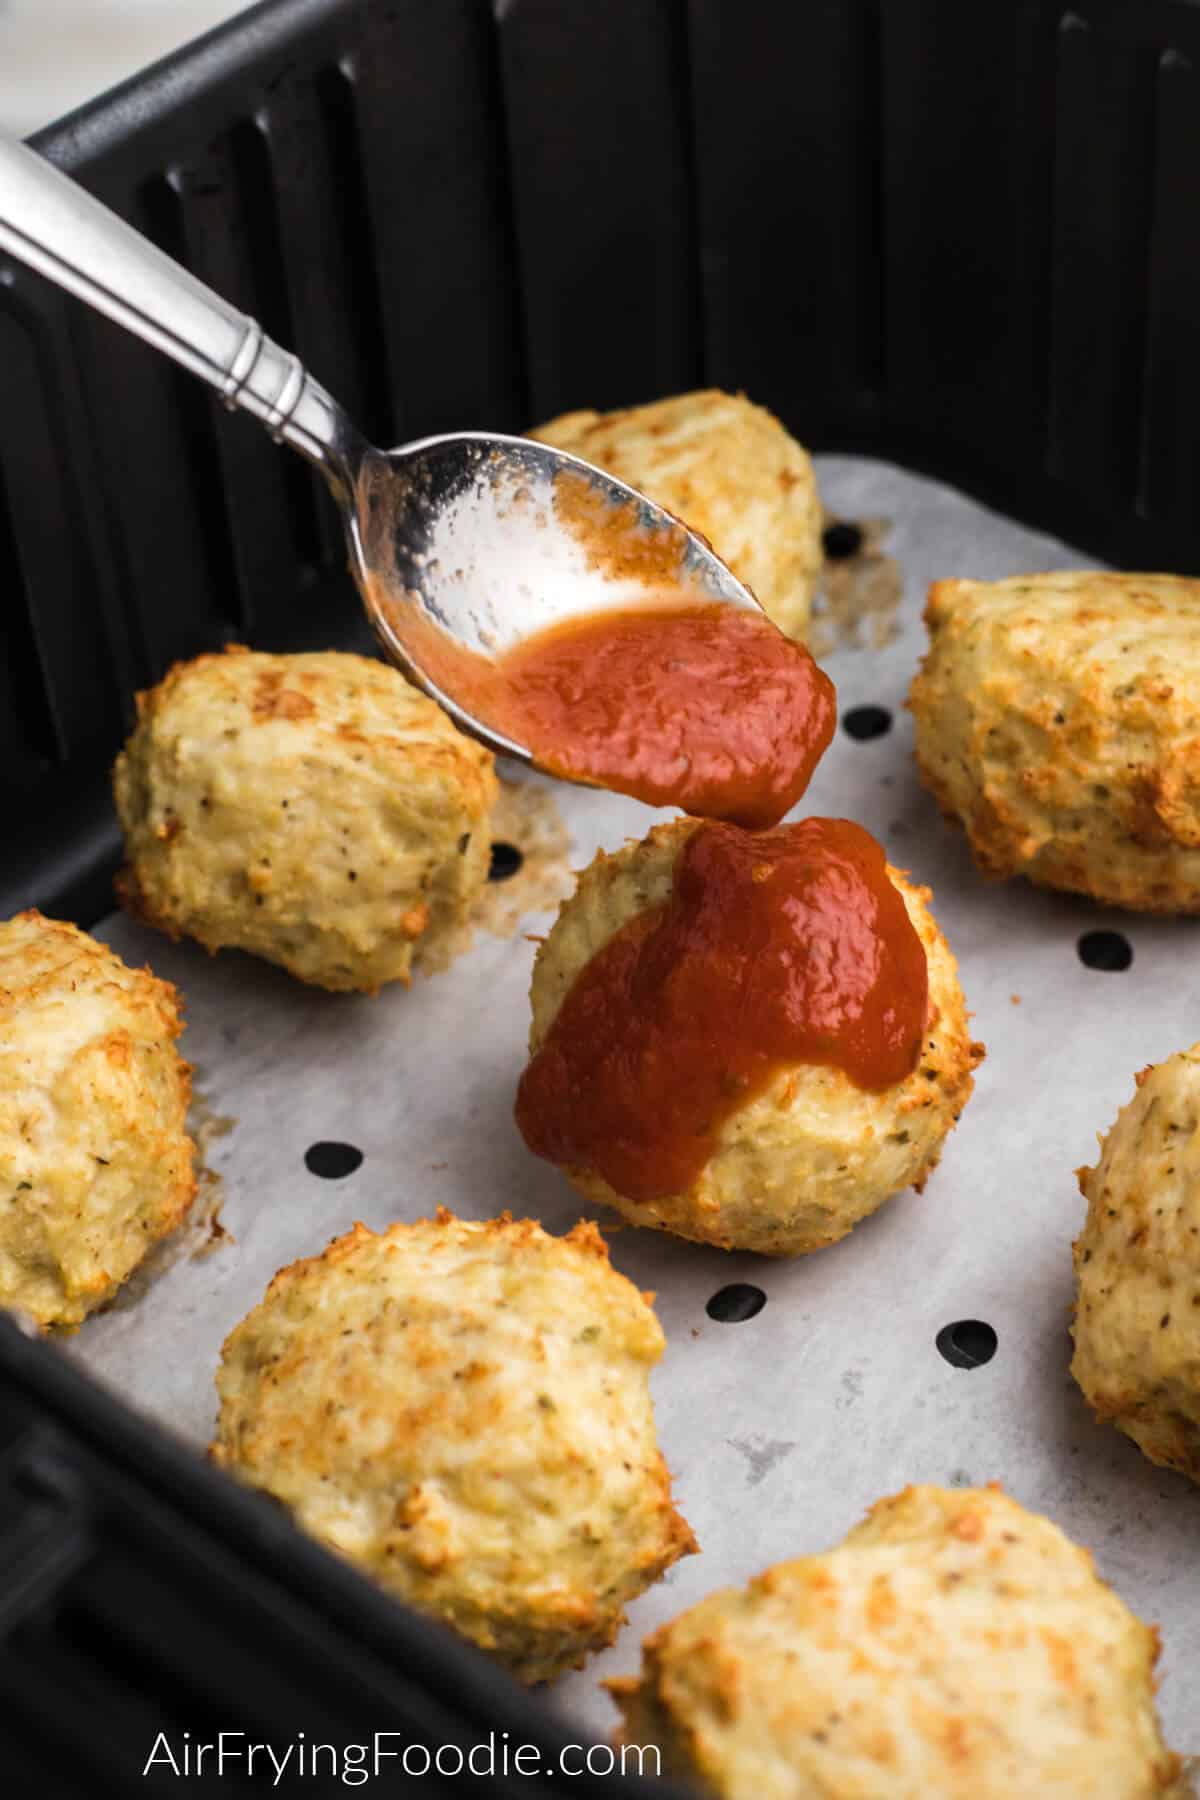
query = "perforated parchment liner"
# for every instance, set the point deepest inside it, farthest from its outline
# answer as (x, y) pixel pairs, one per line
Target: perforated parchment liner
(782, 1429)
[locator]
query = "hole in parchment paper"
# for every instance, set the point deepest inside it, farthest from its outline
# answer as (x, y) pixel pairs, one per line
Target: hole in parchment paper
(968, 1343)
(736, 1302)
(842, 540)
(333, 1162)
(506, 860)
(1109, 950)
(865, 722)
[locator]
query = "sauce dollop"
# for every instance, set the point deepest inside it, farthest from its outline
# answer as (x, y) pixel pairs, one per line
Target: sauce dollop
(706, 707)
(775, 947)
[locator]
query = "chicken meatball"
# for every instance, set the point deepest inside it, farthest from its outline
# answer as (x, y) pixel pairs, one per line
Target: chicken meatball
(314, 809)
(730, 471)
(1137, 1268)
(462, 1409)
(953, 1645)
(804, 1159)
(1058, 720)
(95, 1158)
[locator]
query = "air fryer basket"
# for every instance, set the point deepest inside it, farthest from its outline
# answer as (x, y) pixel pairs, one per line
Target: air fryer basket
(961, 239)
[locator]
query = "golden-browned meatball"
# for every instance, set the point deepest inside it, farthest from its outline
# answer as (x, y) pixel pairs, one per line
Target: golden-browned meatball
(462, 1409)
(1058, 718)
(314, 809)
(95, 1159)
(730, 471)
(800, 1164)
(952, 1647)
(1137, 1267)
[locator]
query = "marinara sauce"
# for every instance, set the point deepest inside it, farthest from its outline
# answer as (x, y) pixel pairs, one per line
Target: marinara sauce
(666, 695)
(705, 707)
(775, 948)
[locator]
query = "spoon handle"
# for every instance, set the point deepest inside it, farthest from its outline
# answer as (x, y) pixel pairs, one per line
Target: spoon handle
(50, 222)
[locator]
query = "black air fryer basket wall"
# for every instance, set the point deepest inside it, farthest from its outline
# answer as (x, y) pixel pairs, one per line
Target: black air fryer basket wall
(962, 237)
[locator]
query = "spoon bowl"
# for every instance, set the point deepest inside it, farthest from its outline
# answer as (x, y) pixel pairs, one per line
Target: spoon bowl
(474, 541)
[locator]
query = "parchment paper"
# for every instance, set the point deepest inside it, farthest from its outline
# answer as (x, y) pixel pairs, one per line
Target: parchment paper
(780, 1430)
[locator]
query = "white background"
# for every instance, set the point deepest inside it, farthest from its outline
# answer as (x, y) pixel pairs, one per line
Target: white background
(55, 54)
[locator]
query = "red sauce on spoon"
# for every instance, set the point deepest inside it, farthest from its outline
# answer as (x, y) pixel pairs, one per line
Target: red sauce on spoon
(705, 707)
(667, 695)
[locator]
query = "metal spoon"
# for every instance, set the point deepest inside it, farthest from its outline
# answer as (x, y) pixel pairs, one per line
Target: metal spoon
(459, 540)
